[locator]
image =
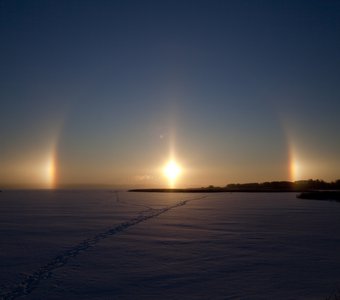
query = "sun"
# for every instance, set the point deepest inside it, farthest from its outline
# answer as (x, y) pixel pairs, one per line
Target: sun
(172, 170)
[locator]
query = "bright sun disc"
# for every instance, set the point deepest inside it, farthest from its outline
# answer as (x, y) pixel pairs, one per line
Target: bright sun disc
(172, 170)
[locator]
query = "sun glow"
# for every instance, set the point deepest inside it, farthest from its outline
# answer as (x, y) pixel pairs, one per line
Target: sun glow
(296, 166)
(50, 171)
(172, 170)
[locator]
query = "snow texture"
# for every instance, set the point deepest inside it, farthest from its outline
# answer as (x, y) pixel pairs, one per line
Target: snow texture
(119, 245)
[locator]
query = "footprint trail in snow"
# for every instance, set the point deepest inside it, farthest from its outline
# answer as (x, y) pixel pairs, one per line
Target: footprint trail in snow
(32, 281)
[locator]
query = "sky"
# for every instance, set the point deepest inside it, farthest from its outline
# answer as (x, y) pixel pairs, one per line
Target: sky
(107, 92)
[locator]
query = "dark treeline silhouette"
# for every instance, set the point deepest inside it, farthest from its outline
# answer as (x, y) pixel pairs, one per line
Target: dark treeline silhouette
(301, 185)
(272, 186)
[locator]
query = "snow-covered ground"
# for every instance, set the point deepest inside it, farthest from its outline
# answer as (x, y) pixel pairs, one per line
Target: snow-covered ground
(109, 245)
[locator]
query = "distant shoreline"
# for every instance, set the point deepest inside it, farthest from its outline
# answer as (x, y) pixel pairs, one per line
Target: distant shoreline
(301, 186)
(213, 190)
(321, 195)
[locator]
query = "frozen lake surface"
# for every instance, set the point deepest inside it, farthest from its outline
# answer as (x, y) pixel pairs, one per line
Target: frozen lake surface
(108, 245)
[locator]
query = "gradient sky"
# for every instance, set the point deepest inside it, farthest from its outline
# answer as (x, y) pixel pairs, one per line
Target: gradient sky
(104, 92)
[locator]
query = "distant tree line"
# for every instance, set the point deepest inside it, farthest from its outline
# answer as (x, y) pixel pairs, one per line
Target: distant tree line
(300, 185)
(272, 186)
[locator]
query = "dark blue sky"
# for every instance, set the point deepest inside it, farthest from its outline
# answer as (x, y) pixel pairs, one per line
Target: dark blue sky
(239, 90)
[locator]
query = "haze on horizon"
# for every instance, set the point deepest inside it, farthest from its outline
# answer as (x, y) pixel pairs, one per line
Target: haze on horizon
(108, 92)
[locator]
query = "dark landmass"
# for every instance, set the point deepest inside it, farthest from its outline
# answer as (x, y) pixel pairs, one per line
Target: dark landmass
(296, 186)
(321, 195)
(210, 190)
(188, 190)
(265, 187)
